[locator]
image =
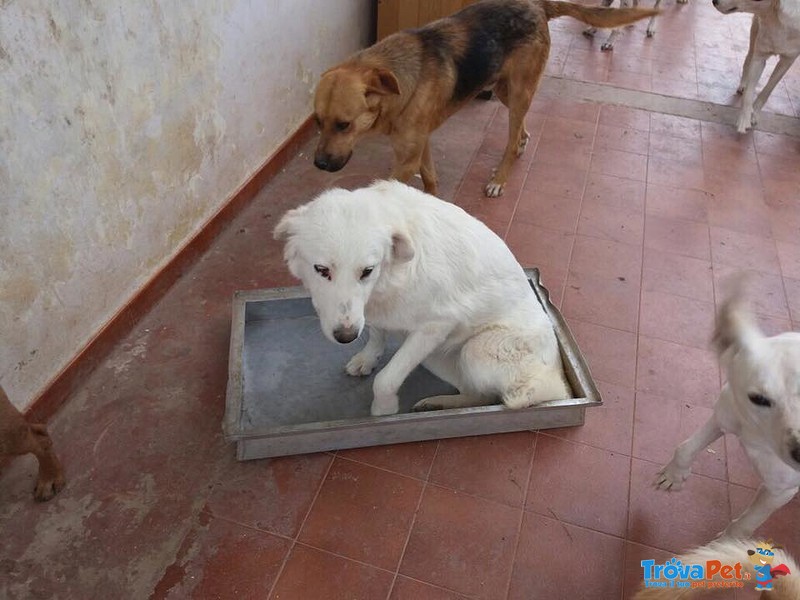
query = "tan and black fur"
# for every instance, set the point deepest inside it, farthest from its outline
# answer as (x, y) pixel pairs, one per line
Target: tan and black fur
(408, 84)
(18, 437)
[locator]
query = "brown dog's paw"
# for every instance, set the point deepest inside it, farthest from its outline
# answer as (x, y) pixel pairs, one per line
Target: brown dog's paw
(47, 488)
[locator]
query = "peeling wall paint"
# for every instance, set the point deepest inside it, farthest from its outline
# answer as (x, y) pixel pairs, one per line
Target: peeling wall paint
(123, 127)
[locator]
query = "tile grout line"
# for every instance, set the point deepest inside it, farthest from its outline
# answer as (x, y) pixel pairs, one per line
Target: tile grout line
(636, 362)
(580, 206)
(714, 297)
(522, 514)
(531, 154)
(300, 529)
(414, 519)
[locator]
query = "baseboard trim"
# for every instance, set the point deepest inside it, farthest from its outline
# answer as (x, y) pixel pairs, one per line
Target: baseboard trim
(120, 325)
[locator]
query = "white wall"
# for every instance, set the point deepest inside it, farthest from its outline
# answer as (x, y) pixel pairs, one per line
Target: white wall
(123, 127)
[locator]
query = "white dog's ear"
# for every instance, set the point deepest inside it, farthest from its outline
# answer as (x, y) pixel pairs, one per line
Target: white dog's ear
(736, 328)
(402, 248)
(287, 226)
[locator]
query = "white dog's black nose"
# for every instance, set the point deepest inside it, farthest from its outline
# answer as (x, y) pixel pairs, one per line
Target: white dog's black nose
(345, 335)
(715, 2)
(795, 452)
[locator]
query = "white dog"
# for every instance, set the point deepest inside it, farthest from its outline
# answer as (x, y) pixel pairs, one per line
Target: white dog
(760, 403)
(775, 30)
(612, 37)
(397, 259)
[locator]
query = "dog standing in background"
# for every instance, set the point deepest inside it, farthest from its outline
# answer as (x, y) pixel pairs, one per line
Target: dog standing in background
(775, 30)
(409, 83)
(18, 437)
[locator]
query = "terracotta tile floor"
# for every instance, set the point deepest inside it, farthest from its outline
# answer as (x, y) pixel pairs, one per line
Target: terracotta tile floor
(633, 216)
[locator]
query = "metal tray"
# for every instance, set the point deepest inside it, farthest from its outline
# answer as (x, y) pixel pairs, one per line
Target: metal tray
(288, 392)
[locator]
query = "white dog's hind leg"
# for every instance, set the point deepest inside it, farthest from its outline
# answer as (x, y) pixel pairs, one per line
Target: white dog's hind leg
(672, 476)
(651, 25)
(363, 362)
(763, 505)
(417, 346)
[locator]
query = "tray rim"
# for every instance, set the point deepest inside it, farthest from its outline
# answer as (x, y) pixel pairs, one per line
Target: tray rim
(231, 423)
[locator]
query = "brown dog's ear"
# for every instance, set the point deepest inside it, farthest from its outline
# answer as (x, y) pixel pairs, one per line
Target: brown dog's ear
(402, 248)
(382, 81)
(736, 328)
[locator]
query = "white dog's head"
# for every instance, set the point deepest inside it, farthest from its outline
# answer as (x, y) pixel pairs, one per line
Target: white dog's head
(747, 6)
(340, 245)
(763, 375)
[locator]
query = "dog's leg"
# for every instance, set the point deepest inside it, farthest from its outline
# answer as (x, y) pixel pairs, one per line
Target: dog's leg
(51, 474)
(418, 345)
(756, 68)
(452, 401)
(363, 362)
(777, 74)
(428, 171)
(672, 476)
(521, 86)
(408, 157)
(763, 505)
(749, 58)
(651, 25)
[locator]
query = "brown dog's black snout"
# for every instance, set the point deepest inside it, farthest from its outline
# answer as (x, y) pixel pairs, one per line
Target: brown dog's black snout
(328, 162)
(345, 335)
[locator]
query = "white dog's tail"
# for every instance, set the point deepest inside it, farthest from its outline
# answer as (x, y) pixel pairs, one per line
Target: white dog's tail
(730, 552)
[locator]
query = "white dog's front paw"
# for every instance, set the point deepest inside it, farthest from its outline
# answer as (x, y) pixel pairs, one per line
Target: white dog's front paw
(651, 32)
(386, 404)
(745, 121)
(590, 31)
(361, 364)
(671, 478)
(606, 46)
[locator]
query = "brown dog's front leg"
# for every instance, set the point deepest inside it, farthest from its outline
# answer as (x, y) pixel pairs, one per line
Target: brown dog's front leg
(412, 157)
(51, 473)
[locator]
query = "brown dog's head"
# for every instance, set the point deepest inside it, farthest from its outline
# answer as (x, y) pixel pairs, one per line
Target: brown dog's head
(346, 104)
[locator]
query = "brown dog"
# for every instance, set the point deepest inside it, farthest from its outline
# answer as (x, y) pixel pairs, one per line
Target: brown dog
(408, 84)
(17, 437)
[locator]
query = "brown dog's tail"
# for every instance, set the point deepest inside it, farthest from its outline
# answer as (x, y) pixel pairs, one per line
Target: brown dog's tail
(596, 16)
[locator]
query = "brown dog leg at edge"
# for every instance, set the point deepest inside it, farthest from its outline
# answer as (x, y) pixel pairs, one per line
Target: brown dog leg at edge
(18, 437)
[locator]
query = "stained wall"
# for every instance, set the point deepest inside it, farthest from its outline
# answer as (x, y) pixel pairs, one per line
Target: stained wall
(124, 126)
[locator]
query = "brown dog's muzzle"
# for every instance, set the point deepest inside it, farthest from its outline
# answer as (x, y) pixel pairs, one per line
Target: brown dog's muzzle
(328, 162)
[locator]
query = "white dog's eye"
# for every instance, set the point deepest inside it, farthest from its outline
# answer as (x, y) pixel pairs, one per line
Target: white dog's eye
(324, 271)
(366, 272)
(759, 400)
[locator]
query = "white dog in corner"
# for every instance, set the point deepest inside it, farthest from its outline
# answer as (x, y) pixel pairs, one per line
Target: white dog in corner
(775, 30)
(760, 404)
(398, 260)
